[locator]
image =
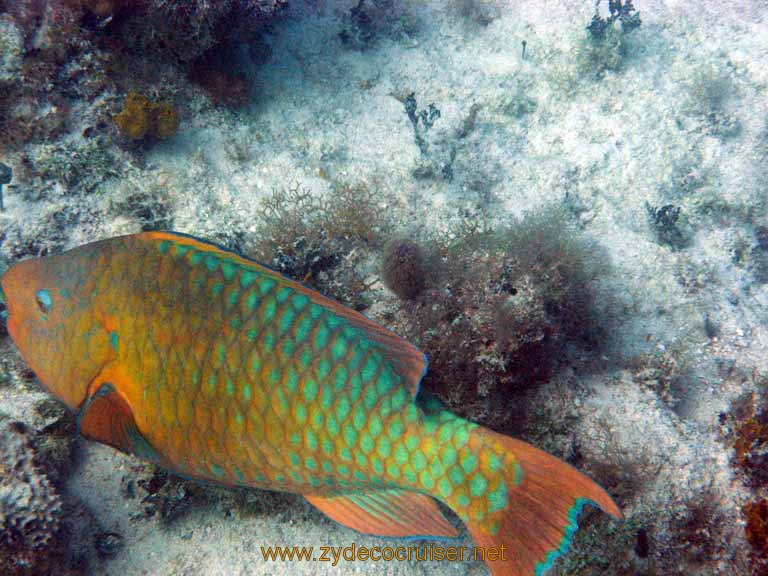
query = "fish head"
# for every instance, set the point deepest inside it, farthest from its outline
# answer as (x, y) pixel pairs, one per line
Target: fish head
(50, 318)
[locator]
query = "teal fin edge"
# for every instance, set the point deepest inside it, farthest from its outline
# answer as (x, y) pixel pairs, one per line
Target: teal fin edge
(568, 534)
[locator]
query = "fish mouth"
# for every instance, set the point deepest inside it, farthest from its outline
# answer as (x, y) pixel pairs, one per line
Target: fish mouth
(6, 327)
(8, 285)
(3, 307)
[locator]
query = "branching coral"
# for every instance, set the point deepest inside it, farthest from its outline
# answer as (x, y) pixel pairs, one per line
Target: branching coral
(319, 240)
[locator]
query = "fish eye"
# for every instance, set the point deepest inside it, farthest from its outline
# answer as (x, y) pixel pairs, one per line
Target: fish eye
(44, 301)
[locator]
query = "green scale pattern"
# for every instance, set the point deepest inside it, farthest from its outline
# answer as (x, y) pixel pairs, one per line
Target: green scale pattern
(253, 383)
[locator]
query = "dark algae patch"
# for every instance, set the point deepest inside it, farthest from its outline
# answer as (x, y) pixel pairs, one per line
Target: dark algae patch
(503, 308)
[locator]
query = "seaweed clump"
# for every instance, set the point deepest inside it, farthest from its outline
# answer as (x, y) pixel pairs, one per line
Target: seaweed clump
(624, 13)
(505, 306)
(670, 226)
(163, 495)
(605, 47)
(759, 255)
(699, 532)
(152, 211)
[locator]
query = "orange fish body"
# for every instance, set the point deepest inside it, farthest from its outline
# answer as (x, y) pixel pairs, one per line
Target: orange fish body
(221, 369)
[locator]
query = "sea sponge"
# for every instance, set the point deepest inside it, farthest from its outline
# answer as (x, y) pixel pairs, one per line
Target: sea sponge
(403, 268)
(141, 117)
(133, 121)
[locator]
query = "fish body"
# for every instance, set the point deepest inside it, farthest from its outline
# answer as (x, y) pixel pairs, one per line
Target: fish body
(221, 369)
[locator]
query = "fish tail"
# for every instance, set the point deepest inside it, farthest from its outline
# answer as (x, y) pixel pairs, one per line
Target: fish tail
(523, 499)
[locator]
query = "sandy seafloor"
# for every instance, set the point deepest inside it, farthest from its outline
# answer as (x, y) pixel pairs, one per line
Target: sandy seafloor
(650, 132)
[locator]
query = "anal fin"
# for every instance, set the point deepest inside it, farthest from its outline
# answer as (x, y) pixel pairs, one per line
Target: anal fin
(391, 512)
(106, 417)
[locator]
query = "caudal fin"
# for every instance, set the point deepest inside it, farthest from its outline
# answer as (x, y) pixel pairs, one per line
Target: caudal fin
(544, 498)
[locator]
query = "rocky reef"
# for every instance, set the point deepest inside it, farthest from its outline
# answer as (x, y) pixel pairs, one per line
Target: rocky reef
(30, 506)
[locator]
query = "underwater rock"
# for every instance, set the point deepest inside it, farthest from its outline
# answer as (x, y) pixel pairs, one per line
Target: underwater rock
(30, 506)
(49, 62)
(108, 544)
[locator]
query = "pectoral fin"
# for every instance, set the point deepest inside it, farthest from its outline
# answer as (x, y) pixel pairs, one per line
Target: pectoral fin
(107, 418)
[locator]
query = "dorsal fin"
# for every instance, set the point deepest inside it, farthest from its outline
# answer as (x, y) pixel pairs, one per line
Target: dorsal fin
(106, 417)
(406, 359)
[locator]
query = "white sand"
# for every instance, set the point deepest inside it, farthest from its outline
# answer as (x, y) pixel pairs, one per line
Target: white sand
(611, 145)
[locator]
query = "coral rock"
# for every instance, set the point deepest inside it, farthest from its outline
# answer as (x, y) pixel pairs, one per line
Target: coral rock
(30, 507)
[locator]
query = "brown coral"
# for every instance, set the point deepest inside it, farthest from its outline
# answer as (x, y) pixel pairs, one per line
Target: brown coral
(141, 117)
(757, 526)
(751, 441)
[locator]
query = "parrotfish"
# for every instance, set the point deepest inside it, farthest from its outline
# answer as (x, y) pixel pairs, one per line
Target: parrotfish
(223, 370)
